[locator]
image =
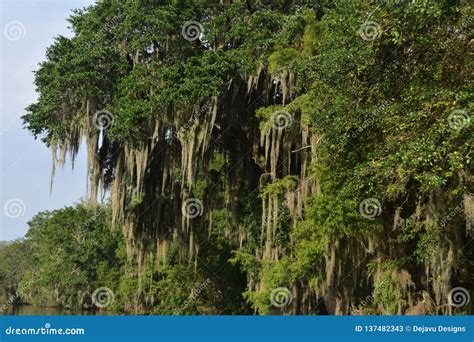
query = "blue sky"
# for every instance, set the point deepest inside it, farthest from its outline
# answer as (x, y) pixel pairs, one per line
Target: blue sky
(28, 27)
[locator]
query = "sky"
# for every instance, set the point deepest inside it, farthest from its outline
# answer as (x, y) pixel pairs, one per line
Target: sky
(28, 27)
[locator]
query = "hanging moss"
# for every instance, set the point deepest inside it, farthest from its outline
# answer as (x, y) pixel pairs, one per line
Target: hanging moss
(266, 124)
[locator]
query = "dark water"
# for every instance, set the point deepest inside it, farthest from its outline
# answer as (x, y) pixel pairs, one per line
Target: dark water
(30, 310)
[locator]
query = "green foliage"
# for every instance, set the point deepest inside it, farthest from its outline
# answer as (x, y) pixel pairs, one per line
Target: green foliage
(15, 260)
(65, 256)
(382, 110)
(280, 186)
(217, 163)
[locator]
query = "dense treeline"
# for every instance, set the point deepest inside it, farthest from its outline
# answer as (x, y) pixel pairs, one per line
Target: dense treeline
(69, 254)
(64, 256)
(295, 157)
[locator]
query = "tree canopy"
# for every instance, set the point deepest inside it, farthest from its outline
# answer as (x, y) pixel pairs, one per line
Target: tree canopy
(319, 147)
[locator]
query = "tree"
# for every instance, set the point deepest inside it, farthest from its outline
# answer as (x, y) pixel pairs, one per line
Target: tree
(322, 143)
